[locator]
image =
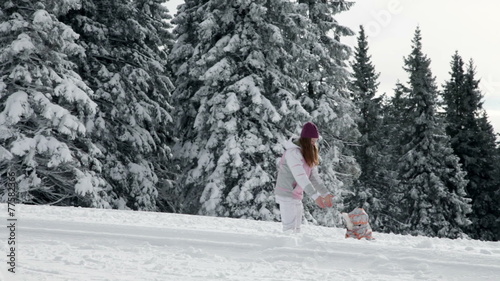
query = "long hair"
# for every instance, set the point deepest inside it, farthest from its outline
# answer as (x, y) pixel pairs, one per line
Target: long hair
(309, 151)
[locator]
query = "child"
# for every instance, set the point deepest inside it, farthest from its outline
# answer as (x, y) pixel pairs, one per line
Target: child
(358, 225)
(298, 173)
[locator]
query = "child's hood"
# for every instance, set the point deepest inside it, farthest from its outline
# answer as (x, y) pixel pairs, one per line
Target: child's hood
(291, 143)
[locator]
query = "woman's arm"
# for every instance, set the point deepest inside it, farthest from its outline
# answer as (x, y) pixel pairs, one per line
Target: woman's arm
(295, 162)
(318, 183)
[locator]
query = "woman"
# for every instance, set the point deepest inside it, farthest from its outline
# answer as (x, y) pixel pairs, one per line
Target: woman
(298, 173)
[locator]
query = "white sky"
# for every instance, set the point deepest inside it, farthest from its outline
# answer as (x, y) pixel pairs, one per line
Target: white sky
(447, 26)
(469, 27)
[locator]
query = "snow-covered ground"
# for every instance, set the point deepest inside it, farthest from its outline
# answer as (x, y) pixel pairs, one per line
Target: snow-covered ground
(64, 243)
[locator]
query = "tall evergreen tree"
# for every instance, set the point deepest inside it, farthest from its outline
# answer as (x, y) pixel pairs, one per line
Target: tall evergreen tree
(365, 85)
(46, 109)
(473, 141)
(486, 210)
(432, 184)
(370, 187)
(125, 62)
(235, 91)
(325, 94)
(240, 67)
(395, 126)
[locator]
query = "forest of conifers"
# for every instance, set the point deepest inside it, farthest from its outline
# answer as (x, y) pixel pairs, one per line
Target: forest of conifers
(117, 104)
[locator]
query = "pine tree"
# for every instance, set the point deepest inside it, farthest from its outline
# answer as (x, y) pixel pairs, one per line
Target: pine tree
(394, 122)
(240, 68)
(370, 187)
(46, 109)
(485, 209)
(125, 61)
(365, 85)
(473, 141)
(432, 185)
(496, 194)
(236, 85)
(324, 94)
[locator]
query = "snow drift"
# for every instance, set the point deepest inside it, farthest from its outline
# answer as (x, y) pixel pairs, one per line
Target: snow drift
(65, 243)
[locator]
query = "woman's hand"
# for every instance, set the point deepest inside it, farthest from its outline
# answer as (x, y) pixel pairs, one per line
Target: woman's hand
(320, 202)
(328, 201)
(325, 201)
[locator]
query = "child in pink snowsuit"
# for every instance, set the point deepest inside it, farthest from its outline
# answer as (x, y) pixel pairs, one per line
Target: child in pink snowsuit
(357, 224)
(298, 173)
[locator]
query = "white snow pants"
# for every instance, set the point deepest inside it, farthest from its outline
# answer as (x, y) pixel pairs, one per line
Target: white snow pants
(291, 213)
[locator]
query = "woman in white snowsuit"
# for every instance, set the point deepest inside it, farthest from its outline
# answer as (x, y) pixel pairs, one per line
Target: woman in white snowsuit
(298, 173)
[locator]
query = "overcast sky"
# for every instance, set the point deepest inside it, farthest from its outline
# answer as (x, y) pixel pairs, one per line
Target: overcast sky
(469, 27)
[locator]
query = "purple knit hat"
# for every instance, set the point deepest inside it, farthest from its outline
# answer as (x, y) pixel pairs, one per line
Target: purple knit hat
(309, 131)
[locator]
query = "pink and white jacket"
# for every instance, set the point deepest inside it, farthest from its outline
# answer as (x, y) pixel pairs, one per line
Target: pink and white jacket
(295, 176)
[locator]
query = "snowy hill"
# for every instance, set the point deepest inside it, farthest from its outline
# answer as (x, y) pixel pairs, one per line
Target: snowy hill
(63, 243)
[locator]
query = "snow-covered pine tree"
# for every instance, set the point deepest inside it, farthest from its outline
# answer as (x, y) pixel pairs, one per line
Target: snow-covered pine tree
(152, 16)
(395, 125)
(432, 184)
(473, 141)
(325, 95)
(496, 194)
(237, 80)
(485, 208)
(125, 64)
(46, 109)
(371, 188)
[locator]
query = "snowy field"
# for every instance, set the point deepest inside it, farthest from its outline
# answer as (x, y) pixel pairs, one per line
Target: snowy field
(63, 243)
